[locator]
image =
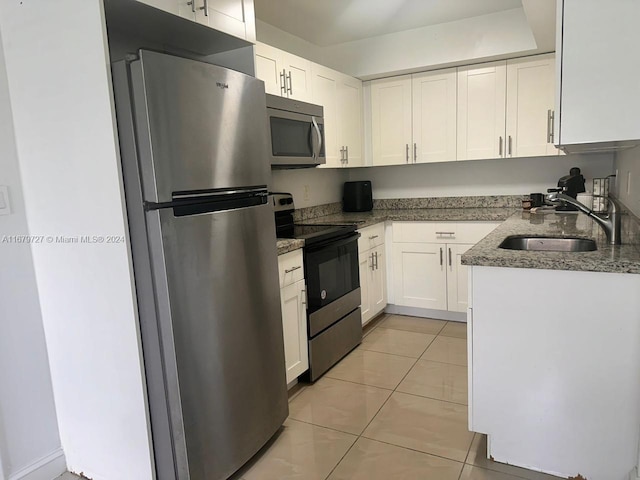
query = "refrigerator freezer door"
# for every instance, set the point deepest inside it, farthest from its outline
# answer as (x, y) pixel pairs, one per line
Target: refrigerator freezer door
(199, 126)
(218, 309)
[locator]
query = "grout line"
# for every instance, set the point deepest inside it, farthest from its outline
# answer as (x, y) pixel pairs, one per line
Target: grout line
(358, 383)
(414, 450)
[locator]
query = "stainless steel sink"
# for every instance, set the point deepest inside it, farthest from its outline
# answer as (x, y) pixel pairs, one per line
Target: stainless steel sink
(548, 244)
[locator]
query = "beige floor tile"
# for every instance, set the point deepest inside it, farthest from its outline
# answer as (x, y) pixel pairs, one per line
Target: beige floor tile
(397, 342)
(478, 457)
(442, 381)
(413, 324)
(447, 350)
(423, 424)
(301, 451)
(372, 368)
(455, 329)
(344, 406)
(475, 473)
(371, 460)
(68, 476)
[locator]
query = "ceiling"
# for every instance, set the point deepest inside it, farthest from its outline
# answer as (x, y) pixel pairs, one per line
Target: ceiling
(331, 22)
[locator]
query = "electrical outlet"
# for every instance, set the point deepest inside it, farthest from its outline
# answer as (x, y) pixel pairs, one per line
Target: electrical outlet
(305, 195)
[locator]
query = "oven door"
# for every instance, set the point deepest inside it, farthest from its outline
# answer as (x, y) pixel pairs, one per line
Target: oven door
(295, 139)
(331, 271)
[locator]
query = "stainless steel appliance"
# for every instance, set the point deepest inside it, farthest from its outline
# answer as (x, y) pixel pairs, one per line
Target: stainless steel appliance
(296, 130)
(195, 164)
(334, 320)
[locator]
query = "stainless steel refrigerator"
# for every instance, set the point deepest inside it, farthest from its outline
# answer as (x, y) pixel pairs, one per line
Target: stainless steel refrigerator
(193, 140)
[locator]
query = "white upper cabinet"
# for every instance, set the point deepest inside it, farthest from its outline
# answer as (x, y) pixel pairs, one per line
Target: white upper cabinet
(530, 105)
(434, 116)
(391, 122)
(324, 88)
(284, 74)
(235, 17)
(598, 74)
(350, 120)
(481, 111)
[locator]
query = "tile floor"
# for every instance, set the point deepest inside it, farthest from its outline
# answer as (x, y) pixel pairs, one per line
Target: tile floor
(394, 408)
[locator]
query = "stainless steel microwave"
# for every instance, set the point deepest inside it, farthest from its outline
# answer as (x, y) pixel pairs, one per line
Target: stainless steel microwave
(296, 133)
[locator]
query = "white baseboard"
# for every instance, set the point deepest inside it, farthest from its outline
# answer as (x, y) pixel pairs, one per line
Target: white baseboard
(427, 313)
(47, 468)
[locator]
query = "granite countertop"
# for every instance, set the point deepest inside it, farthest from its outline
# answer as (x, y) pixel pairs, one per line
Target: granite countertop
(365, 219)
(286, 245)
(607, 258)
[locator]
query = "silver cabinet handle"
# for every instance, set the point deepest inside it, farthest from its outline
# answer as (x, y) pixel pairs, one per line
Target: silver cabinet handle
(315, 125)
(449, 257)
(440, 256)
(342, 155)
(288, 78)
(373, 266)
(500, 147)
(304, 296)
(205, 7)
(445, 233)
(293, 269)
(283, 82)
(193, 5)
(415, 153)
(373, 236)
(550, 125)
(346, 153)
(510, 149)
(407, 152)
(376, 260)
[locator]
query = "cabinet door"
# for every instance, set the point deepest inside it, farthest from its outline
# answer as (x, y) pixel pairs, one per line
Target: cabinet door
(294, 328)
(391, 120)
(350, 119)
(530, 99)
(298, 77)
(227, 16)
(457, 278)
(365, 262)
(171, 6)
(434, 116)
(378, 285)
(481, 111)
(324, 88)
(267, 68)
(420, 275)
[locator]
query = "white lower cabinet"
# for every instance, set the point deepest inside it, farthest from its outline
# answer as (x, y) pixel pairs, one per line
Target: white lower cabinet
(373, 271)
(294, 314)
(427, 268)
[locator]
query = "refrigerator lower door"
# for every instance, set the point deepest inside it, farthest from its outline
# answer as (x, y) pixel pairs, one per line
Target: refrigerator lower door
(218, 307)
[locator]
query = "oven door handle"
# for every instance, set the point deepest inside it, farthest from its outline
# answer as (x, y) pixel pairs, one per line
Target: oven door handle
(333, 243)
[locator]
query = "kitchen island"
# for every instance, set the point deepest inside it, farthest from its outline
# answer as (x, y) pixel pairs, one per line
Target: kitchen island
(553, 350)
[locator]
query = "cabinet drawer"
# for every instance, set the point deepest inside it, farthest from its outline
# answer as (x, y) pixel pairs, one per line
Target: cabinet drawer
(371, 237)
(290, 268)
(424, 232)
(441, 232)
(473, 232)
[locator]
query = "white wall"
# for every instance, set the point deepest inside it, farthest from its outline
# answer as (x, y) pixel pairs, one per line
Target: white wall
(512, 176)
(310, 186)
(29, 438)
(628, 181)
(59, 83)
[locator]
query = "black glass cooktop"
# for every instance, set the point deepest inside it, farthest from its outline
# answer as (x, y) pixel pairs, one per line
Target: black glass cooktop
(320, 233)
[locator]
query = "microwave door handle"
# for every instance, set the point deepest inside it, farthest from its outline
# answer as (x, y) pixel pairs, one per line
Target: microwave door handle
(315, 125)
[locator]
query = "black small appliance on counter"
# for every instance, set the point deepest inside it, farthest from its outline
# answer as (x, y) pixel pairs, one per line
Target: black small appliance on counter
(357, 196)
(570, 185)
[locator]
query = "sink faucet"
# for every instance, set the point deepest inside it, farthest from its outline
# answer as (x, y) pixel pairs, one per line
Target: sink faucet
(611, 224)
